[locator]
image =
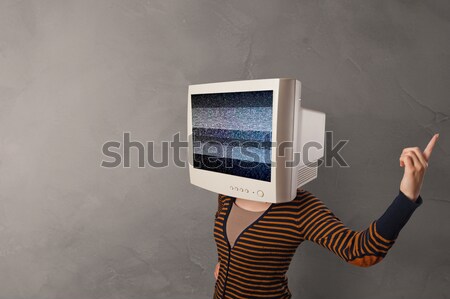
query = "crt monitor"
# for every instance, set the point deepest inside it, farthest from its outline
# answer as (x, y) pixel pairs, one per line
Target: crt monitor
(246, 138)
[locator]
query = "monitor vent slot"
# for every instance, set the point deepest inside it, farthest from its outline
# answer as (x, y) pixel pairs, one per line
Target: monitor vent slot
(307, 173)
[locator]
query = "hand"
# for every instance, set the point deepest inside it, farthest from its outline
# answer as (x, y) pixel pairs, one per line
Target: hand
(216, 271)
(416, 163)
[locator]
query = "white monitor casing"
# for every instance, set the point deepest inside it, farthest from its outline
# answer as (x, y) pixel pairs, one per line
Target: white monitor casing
(290, 123)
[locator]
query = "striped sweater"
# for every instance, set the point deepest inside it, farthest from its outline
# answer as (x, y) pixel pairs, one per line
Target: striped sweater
(256, 266)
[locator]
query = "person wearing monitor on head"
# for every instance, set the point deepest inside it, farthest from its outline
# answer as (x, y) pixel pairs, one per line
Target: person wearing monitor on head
(263, 212)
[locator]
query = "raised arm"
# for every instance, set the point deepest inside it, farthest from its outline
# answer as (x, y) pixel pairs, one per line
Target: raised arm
(317, 223)
(367, 247)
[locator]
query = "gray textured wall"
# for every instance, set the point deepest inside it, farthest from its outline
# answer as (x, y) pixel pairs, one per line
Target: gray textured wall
(75, 74)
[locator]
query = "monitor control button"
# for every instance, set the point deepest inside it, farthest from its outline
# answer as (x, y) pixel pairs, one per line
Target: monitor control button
(246, 190)
(260, 193)
(242, 190)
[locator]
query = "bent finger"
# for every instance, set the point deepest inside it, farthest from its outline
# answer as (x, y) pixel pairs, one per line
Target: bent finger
(417, 165)
(407, 160)
(419, 156)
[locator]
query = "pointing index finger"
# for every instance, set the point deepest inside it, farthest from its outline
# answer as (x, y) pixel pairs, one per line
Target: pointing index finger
(430, 146)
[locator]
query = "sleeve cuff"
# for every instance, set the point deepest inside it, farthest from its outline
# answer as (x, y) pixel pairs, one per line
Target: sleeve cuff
(408, 202)
(397, 215)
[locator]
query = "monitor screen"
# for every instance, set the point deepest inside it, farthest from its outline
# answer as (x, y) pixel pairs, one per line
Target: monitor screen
(232, 133)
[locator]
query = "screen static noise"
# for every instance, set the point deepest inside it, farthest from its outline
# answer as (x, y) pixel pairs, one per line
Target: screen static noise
(232, 133)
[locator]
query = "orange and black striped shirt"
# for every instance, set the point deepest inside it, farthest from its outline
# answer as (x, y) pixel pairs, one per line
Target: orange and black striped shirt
(256, 266)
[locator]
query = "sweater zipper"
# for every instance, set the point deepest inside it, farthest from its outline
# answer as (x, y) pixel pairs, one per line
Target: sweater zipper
(237, 239)
(226, 276)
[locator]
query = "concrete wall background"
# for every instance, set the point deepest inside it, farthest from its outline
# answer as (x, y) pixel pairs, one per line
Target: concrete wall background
(75, 74)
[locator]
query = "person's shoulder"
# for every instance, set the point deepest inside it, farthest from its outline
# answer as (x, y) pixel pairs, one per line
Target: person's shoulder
(303, 194)
(305, 197)
(223, 197)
